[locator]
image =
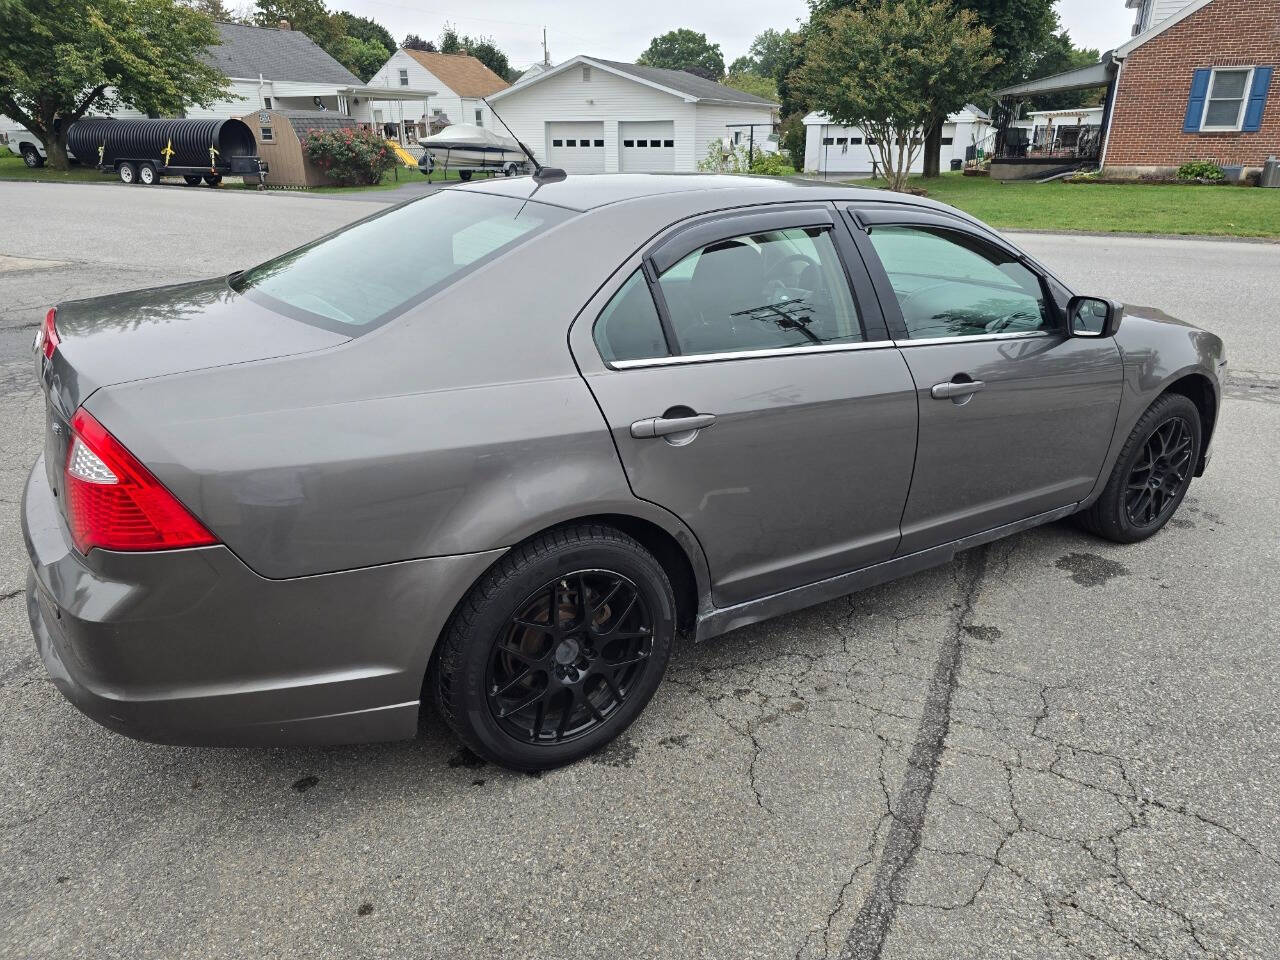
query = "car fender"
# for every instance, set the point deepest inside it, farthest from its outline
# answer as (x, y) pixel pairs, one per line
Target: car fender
(1157, 351)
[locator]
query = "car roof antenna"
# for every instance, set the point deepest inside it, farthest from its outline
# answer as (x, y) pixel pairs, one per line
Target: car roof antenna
(541, 174)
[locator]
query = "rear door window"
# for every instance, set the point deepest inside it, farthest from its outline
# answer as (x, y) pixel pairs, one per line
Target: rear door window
(769, 290)
(373, 271)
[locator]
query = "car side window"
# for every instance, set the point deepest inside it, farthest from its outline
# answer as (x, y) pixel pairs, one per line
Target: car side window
(629, 328)
(949, 284)
(768, 290)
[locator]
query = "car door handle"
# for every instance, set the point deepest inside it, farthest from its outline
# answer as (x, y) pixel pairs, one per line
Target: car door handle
(665, 426)
(952, 389)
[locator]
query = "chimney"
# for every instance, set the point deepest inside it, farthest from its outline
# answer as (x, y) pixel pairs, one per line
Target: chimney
(284, 24)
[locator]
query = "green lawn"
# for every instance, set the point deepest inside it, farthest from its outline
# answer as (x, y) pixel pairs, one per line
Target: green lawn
(1110, 208)
(12, 168)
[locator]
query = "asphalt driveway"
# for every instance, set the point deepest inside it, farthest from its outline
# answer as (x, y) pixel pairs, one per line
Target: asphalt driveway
(1053, 747)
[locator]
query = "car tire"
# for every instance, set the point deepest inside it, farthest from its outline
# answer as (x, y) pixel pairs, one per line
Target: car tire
(147, 174)
(213, 179)
(31, 156)
(191, 179)
(1151, 475)
(464, 175)
(583, 673)
(127, 172)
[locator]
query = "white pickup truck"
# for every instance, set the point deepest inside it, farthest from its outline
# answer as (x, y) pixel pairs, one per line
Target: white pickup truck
(25, 144)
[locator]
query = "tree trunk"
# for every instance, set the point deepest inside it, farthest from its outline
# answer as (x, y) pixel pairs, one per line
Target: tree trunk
(933, 149)
(55, 149)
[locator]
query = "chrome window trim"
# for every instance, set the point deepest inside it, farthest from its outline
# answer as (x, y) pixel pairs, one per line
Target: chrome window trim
(975, 338)
(686, 358)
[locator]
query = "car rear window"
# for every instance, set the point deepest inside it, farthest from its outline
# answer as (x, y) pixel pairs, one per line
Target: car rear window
(373, 271)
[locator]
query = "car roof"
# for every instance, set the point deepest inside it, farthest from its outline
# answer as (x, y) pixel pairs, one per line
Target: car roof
(584, 192)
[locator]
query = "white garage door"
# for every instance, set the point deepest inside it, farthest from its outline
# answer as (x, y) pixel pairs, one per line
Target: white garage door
(648, 147)
(576, 147)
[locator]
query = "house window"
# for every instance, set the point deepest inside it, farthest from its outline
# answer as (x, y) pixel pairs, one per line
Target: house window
(642, 143)
(668, 143)
(1224, 106)
(266, 103)
(841, 141)
(828, 141)
(855, 140)
(628, 143)
(479, 118)
(557, 143)
(266, 134)
(655, 143)
(586, 74)
(404, 78)
(571, 143)
(947, 141)
(599, 143)
(871, 141)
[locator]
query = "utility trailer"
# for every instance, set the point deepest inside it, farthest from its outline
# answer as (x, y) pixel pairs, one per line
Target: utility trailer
(143, 151)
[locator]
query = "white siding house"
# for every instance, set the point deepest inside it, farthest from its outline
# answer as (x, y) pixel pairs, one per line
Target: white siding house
(589, 115)
(281, 69)
(459, 82)
(830, 148)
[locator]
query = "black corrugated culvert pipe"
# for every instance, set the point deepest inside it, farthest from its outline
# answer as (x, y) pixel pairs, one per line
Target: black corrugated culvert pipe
(167, 143)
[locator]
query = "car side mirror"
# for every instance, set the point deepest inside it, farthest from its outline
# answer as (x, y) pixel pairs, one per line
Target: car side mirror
(1093, 316)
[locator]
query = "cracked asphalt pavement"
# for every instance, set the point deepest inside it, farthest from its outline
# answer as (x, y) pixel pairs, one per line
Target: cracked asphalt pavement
(1052, 747)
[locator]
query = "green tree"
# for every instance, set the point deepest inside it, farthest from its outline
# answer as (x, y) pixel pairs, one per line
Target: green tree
(1058, 55)
(914, 62)
(367, 31)
(364, 58)
(771, 52)
(311, 17)
(752, 83)
(214, 10)
(1019, 28)
(59, 59)
(483, 49)
(415, 42)
(685, 50)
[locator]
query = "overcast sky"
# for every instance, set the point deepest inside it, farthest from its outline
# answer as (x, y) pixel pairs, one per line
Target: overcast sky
(620, 31)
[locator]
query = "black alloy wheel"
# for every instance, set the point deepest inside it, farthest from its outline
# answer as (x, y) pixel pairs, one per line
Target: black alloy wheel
(570, 657)
(557, 647)
(1152, 472)
(1160, 473)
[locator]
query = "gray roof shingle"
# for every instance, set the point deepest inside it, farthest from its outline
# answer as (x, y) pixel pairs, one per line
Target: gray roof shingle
(275, 54)
(686, 83)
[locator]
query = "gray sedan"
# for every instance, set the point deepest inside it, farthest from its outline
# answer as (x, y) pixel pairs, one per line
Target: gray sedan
(502, 446)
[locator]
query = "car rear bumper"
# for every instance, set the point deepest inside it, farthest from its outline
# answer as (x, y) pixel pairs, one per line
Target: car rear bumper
(193, 647)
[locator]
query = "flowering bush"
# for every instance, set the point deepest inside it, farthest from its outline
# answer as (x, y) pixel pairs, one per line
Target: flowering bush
(351, 157)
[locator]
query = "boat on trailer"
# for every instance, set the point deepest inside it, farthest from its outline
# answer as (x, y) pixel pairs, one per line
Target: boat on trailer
(470, 149)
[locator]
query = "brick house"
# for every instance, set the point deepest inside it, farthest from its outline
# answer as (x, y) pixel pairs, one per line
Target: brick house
(1191, 84)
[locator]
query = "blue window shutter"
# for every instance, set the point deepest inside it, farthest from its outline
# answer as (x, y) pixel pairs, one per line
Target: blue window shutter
(1195, 104)
(1257, 100)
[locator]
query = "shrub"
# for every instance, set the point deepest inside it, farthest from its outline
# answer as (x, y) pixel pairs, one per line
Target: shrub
(721, 158)
(351, 157)
(770, 164)
(1200, 170)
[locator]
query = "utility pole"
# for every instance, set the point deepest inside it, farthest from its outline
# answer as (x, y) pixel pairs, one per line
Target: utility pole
(546, 59)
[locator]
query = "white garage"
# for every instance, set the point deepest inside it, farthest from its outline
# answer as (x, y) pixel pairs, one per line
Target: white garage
(589, 115)
(647, 146)
(576, 147)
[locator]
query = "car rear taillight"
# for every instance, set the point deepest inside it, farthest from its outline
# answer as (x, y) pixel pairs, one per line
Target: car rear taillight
(114, 502)
(47, 338)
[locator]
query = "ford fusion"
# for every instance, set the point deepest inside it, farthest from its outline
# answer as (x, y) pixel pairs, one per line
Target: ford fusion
(501, 447)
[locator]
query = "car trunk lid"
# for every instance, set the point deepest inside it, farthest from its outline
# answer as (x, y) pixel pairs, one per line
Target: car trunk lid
(152, 333)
